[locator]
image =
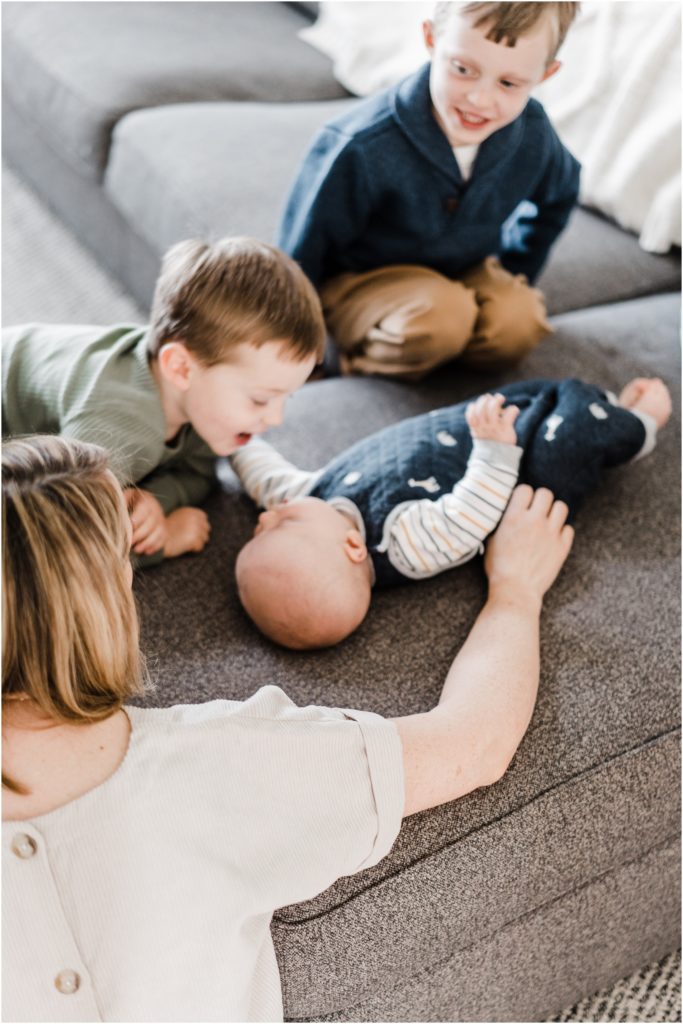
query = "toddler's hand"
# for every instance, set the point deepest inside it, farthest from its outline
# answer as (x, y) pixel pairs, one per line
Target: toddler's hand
(188, 530)
(148, 521)
(527, 551)
(489, 421)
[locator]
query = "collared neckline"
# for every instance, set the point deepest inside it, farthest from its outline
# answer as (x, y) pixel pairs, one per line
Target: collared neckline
(412, 110)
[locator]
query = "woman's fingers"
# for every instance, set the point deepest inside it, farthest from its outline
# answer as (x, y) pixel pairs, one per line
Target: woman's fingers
(559, 513)
(542, 500)
(522, 497)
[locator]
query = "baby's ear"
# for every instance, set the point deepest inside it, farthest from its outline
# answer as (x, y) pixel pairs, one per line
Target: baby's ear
(355, 547)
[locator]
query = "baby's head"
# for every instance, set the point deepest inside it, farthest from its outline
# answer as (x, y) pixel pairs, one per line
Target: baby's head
(236, 326)
(486, 59)
(305, 577)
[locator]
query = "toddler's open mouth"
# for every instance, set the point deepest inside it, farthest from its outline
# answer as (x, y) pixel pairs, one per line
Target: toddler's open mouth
(242, 438)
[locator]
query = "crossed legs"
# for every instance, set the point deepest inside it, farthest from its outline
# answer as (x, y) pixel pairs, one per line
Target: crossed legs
(405, 320)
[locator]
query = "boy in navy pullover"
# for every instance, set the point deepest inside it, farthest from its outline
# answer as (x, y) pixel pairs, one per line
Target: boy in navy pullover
(424, 212)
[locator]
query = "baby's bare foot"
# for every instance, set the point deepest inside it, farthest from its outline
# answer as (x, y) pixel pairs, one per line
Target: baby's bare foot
(649, 395)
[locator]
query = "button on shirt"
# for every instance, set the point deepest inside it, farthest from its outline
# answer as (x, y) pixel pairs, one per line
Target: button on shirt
(151, 896)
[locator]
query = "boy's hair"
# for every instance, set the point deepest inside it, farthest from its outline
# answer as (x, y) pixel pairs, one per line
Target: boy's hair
(213, 297)
(509, 21)
(70, 627)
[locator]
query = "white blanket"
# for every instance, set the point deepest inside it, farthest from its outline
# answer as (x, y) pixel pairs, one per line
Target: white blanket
(616, 103)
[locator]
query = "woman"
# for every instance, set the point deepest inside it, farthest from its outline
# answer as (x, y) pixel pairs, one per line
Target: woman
(146, 849)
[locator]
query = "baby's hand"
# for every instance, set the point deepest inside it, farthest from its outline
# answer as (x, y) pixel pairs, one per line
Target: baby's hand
(148, 521)
(188, 530)
(488, 421)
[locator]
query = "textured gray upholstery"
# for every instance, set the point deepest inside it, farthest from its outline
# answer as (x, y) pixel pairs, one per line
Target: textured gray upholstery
(528, 970)
(76, 68)
(80, 203)
(160, 157)
(594, 262)
(592, 788)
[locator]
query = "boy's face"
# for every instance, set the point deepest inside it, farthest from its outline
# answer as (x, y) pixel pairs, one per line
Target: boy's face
(229, 402)
(478, 86)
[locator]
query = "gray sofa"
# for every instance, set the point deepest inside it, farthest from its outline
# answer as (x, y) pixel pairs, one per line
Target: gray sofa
(144, 123)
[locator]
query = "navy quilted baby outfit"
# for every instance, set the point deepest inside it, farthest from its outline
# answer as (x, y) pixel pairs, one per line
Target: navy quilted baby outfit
(569, 432)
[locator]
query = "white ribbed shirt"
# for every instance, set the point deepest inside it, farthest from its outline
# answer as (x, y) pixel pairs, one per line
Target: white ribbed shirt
(465, 155)
(150, 897)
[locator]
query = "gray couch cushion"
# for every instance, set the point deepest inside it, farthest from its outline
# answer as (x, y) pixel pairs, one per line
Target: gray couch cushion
(593, 784)
(528, 970)
(76, 68)
(210, 169)
(219, 169)
(594, 261)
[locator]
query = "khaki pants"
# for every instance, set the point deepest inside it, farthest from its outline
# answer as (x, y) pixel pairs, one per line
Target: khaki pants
(403, 321)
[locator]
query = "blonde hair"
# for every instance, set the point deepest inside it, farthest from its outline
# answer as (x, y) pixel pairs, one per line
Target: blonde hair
(509, 21)
(213, 297)
(70, 627)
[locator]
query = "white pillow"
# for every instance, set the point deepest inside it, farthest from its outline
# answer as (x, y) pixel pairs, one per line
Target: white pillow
(616, 103)
(372, 43)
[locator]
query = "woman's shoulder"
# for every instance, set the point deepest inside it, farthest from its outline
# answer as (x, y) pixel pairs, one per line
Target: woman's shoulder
(269, 703)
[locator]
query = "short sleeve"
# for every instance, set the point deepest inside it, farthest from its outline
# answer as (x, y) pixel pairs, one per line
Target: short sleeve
(323, 790)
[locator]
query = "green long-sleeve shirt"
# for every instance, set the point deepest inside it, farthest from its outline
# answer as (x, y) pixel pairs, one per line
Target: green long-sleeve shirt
(95, 384)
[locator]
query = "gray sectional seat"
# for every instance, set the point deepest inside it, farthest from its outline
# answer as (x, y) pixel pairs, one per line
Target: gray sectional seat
(151, 122)
(78, 68)
(72, 71)
(576, 849)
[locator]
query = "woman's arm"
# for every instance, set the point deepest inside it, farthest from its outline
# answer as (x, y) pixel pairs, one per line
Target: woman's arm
(470, 737)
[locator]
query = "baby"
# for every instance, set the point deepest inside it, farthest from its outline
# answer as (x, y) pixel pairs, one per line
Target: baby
(421, 496)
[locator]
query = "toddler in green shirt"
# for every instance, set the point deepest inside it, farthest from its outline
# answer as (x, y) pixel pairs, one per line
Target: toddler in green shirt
(235, 328)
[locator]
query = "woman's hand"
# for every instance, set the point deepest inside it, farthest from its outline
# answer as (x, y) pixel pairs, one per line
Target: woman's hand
(527, 551)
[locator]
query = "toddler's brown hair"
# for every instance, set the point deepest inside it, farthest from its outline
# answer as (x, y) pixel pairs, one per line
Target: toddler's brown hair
(215, 296)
